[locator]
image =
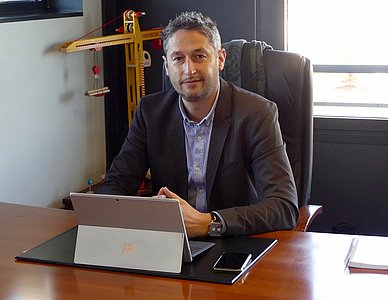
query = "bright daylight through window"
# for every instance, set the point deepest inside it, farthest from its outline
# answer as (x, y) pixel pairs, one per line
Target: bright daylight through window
(347, 43)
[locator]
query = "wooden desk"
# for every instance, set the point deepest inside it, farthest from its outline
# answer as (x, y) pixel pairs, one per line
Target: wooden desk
(301, 266)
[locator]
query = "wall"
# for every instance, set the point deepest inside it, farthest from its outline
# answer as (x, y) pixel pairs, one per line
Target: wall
(52, 137)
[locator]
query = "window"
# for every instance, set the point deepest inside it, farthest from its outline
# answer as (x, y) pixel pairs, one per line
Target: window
(25, 10)
(348, 46)
(10, 8)
(20, 1)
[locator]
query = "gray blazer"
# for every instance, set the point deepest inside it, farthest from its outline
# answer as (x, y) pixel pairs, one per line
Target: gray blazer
(248, 179)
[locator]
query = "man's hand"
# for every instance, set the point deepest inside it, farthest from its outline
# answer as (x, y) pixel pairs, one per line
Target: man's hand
(197, 223)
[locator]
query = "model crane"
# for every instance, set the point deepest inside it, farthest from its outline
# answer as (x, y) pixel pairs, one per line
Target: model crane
(132, 38)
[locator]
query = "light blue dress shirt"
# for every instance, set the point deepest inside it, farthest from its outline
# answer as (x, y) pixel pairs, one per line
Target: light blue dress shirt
(197, 141)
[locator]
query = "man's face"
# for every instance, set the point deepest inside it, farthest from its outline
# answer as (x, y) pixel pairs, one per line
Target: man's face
(193, 65)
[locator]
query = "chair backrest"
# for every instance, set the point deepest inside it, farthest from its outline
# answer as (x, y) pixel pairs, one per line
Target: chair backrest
(286, 79)
(289, 85)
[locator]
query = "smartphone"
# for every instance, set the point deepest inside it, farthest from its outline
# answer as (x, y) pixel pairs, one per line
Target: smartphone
(232, 262)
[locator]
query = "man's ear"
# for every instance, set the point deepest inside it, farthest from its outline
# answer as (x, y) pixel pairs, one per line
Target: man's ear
(221, 58)
(165, 64)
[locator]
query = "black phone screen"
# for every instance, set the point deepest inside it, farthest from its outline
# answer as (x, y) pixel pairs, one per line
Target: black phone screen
(232, 262)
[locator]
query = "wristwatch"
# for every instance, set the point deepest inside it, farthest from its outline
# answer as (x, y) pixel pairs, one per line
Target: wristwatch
(215, 226)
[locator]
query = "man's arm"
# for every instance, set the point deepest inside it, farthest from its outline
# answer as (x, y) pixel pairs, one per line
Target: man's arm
(277, 208)
(130, 166)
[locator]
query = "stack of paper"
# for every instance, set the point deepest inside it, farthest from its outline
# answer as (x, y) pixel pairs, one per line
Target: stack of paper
(368, 253)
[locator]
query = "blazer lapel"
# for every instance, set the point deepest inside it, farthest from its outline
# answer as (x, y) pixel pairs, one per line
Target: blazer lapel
(220, 130)
(176, 136)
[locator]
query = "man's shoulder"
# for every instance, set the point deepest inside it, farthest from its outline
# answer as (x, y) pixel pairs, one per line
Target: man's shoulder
(162, 101)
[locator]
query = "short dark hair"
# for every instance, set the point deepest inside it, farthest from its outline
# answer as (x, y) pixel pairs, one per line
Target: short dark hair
(192, 21)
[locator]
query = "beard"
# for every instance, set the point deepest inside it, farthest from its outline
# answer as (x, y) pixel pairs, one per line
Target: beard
(202, 89)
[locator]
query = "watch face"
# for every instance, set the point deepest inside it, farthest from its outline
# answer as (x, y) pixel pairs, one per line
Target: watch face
(215, 229)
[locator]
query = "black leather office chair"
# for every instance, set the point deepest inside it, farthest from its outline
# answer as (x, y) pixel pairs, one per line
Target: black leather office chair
(286, 79)
(289, 84)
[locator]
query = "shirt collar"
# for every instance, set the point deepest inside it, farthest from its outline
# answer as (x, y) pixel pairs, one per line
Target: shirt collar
(207, 120)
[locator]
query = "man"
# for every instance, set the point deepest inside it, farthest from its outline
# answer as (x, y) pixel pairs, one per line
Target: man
(213, 146)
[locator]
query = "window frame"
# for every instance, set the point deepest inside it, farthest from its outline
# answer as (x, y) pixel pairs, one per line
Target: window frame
(25, 10)
(345, 69)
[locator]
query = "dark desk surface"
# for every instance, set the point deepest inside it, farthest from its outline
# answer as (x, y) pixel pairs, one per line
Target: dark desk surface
(301, 266)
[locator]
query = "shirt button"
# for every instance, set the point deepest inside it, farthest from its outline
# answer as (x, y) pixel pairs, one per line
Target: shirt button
(197, 169)
(199, 138)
